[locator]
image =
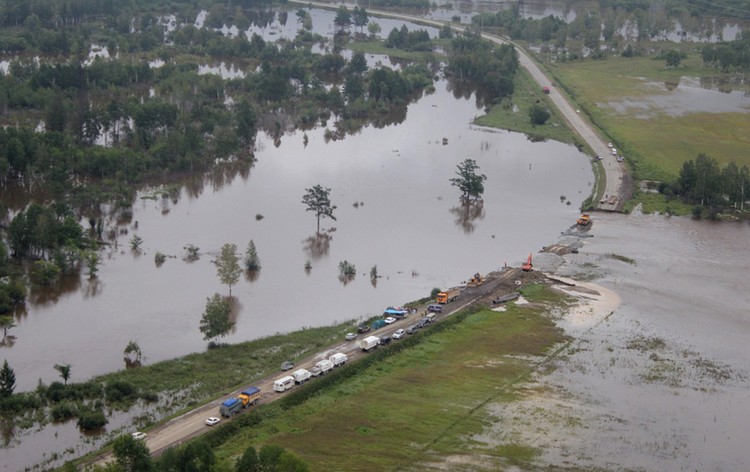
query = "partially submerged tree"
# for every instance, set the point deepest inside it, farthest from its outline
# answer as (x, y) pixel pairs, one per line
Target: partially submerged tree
(6, 323)
(228, 266)
(133, 353)
(7, 380)
(215, 321)
(468, 181)
(252, 261)
(64, 370)
(318, 200)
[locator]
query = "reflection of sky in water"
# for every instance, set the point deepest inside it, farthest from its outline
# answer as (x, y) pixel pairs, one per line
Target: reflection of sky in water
(226, 72)
(689, 96)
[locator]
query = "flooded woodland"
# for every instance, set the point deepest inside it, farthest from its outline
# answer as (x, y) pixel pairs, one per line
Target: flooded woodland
(661, 383)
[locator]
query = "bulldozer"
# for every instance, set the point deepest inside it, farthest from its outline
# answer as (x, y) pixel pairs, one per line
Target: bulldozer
(475, 281)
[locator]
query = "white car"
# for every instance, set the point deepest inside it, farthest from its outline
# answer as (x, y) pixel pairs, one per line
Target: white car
(610, 145)
(212, 421)
(139, 436)
(400, 333)
(350, 336)
(390, 320)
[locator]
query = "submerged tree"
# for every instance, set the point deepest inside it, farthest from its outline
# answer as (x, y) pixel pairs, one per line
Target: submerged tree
(64, 370)
(216, 321)
(7, 380)
(252, 261)
(228, 266)
(132, 353)
(468, 181)
(317, 199)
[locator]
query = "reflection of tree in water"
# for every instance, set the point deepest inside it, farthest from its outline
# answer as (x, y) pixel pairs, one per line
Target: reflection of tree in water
(318, 245)
(252, 275)
(463, 89)
(346, 278)
(92, 288)
(50, 295)
(467, 213)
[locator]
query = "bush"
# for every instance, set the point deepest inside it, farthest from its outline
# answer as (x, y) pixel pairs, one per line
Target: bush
(119, 390)
(697, 211)
(91, 420)
(63, 411)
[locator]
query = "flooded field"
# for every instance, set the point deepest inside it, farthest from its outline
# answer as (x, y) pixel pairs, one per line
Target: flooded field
(659, 382)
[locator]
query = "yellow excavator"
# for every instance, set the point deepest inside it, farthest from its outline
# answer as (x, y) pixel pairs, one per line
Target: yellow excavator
(475, 281)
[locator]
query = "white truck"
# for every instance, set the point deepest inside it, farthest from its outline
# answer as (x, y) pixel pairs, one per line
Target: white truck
(301, 376)
(369, 342)
(325, 365)
(338, 359)
(284, 383)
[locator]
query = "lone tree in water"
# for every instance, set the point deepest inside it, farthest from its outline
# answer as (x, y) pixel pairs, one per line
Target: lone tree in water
(252, 261)
(228, 266)
(318, 199)
(64, 370)
(468, 181)
(215, 321)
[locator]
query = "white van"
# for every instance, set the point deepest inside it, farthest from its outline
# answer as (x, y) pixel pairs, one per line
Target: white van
(284, 383)
(301, 376)
(430, 317)
(338, 359)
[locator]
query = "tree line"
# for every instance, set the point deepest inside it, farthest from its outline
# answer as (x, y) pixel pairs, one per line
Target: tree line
(701, 181)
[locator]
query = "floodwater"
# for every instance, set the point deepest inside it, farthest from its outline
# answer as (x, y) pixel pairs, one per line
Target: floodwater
(690, 95)
(395, 210)
(661, 383)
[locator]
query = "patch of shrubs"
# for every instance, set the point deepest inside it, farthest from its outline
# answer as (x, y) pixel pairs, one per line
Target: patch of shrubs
(63, 411)
(119, 391)
(91, 420)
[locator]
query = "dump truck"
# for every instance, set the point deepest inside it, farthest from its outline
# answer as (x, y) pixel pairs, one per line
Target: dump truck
(249, 396)
(448, 296)
(369, 342)
(230, 407)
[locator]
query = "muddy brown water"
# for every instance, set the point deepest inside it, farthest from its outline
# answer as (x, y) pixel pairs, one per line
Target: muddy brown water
(408, 221)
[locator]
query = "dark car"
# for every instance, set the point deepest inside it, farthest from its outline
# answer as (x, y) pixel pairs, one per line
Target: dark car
(287, 365)
(435, 308)
(385, 340)
(363, 328)
(422, 322)
(412, 329)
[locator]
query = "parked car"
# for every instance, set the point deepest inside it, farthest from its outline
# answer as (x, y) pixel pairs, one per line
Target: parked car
(390, 320)
(212, 421)
(350, 336)
(412, 329)
(435, 308)
(139, 436)
(422, 322)
(400, 333)
(385, 340)
(287, 365)
(363, 328)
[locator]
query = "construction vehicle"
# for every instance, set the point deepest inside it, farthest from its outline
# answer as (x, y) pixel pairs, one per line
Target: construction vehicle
(528, 265)
(475, 281)
(448, 296)
(584, 220)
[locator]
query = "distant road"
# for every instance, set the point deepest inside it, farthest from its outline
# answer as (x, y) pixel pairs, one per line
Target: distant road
(614, 171)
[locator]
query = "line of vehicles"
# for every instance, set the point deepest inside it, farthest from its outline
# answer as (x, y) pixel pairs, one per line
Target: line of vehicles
(300, 376)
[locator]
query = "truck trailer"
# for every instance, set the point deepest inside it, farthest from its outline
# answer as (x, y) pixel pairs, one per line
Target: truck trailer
(338, 359)
(325, 365)
(448, 296)
(230, 407)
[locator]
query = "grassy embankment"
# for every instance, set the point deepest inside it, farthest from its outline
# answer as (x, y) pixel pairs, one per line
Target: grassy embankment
(424, 404)
(655, 141)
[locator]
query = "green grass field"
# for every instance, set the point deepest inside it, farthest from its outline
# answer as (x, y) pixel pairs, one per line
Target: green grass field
(422, 405)
(655, 142)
